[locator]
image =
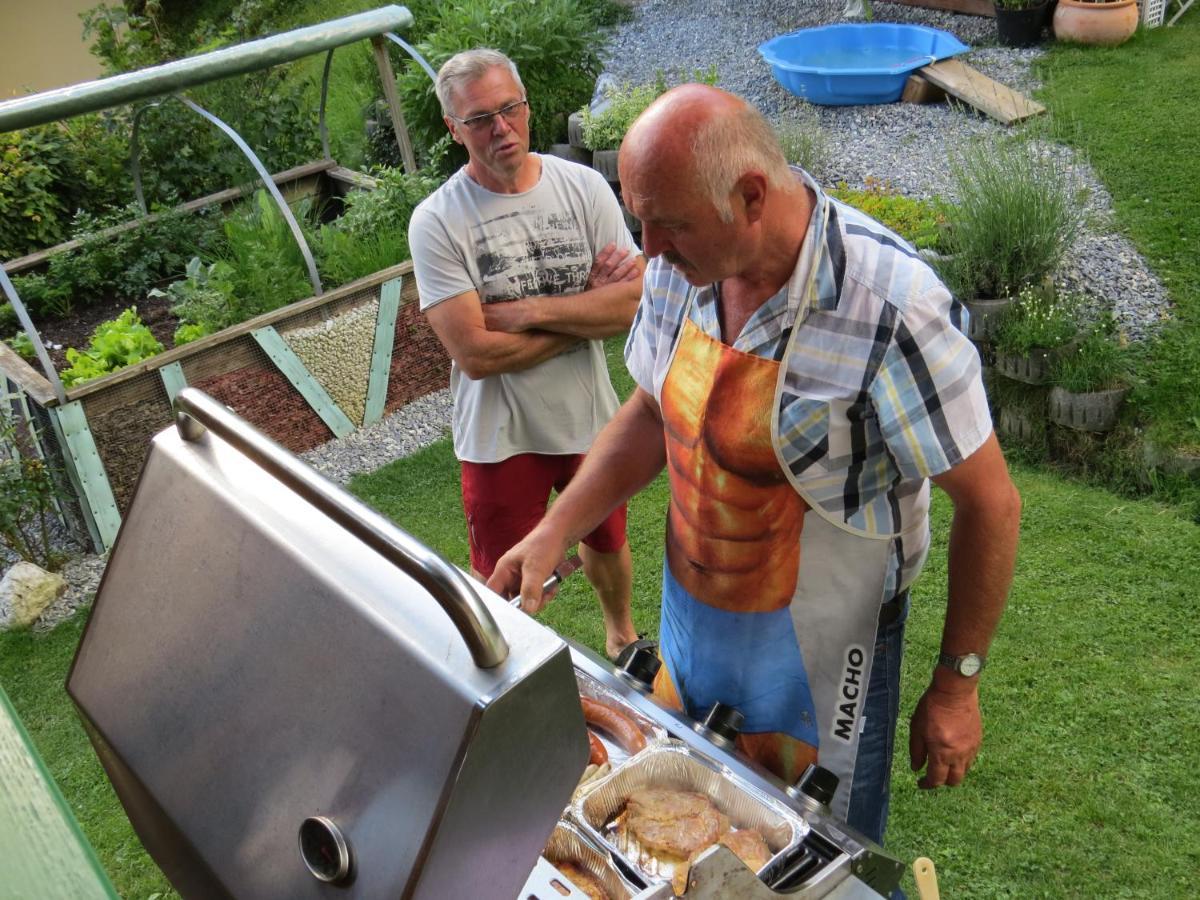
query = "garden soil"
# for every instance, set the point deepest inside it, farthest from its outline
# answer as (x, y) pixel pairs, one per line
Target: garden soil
(76, 330)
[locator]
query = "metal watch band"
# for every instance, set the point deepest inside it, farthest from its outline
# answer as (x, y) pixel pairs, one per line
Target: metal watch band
(955, 663)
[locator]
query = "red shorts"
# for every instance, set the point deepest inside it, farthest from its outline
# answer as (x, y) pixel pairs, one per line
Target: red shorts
(505, 500)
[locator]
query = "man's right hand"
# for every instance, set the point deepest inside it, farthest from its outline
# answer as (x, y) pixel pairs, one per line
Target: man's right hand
(524, 569)
(612, 266)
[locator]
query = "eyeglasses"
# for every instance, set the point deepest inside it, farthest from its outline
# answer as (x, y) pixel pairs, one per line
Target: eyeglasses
(483, 121)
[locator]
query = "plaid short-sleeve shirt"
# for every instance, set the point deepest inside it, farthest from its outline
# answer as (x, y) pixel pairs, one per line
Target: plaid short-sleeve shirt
(880, 386)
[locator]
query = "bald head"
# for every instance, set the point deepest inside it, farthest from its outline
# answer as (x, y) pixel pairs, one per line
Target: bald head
(709, 137)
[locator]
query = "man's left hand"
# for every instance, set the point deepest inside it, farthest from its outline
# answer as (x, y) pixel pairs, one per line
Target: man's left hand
(946, 733)
(510, 316)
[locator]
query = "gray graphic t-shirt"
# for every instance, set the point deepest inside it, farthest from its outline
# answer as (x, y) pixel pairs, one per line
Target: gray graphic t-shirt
(507, 246)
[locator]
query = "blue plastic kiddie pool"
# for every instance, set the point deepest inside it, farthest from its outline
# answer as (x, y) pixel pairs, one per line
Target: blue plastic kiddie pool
(844, 65)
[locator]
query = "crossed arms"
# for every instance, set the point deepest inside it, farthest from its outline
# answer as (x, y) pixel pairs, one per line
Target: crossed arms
(495, 338)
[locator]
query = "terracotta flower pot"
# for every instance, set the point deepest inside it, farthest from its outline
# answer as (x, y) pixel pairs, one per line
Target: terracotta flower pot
(1093, 411)
(1103, 24)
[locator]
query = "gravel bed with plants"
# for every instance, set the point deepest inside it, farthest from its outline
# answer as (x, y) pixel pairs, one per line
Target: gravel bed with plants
(905, 145)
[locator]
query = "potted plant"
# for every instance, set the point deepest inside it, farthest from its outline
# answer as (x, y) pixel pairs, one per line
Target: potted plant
(603, 125)
(1091, 381)
(1019, 23)
(1034, 332)
(1105, 23)
(1015, 215)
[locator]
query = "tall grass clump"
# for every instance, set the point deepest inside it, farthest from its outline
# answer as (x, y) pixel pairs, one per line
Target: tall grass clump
(1015, 217)
(804, 141)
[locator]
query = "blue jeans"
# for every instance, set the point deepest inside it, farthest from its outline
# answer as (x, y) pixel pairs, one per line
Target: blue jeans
(870, 791)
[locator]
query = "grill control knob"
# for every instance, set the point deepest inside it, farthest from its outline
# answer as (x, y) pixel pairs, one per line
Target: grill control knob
(639, 663)
(816, 785)
(324, 850)
(721, 725)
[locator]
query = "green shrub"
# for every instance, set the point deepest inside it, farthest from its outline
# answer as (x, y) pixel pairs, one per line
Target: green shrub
(8, 318)
(125, 265)
(555, 44)
(606, 130)
(32, 214)
(1036, 319)
(1015, 216)
(26, 503)
(919, 222)
(1100, 361)
(115, 344)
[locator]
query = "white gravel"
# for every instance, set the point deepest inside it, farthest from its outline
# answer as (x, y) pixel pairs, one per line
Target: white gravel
(906, 145)
(903, 144)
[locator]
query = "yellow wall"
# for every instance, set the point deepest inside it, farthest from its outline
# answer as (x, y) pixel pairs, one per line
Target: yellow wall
(42, 47)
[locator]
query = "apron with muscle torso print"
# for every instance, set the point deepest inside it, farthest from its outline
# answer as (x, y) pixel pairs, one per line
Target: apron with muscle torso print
(769, 605)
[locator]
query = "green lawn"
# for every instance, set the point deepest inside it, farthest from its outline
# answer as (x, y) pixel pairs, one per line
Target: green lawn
(1132, 111)
(1091, 698)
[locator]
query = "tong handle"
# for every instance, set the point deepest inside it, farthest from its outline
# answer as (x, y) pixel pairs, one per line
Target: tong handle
(561, 572)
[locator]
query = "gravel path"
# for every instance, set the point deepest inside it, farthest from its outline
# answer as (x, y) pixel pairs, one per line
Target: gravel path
(903, 144)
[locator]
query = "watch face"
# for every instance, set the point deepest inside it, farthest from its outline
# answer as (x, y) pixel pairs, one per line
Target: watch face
(970, 664)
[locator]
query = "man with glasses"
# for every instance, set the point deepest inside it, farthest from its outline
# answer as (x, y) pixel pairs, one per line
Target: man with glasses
(523, 265)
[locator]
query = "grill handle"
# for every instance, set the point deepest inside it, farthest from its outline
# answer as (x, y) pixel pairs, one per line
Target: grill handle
(196, 411)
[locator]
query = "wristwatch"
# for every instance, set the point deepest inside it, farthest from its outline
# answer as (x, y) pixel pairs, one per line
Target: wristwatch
(967, 665)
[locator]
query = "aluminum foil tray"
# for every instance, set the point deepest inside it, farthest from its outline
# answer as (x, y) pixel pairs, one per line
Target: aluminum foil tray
(676, 767)
(568, 844)
(596, 690)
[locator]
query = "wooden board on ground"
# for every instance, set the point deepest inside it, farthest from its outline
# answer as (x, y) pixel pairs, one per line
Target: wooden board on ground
(921, 90)
(970, 7)
(974, 88)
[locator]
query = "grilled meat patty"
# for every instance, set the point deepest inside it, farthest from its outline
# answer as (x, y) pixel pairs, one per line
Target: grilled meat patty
(677, 823)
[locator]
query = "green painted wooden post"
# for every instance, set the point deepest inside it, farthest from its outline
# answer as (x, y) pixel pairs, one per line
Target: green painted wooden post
(381, 355)
(86, 472)
(42, 851)
(308, 386)
(172, 379)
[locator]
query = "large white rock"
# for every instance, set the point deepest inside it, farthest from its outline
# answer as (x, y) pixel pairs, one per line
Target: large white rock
(25, 592)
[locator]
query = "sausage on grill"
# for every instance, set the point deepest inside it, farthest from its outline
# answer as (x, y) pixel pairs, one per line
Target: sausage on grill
(622, 728)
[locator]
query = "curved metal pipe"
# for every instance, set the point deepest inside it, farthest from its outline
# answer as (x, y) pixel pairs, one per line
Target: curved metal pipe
(269, 184)
(39, 348)
(172, 77)
(324, 130)
(135, 166)
(196, 411)
(407, 47)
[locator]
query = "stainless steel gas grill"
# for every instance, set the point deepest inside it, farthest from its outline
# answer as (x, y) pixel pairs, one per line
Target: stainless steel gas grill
(285, 711)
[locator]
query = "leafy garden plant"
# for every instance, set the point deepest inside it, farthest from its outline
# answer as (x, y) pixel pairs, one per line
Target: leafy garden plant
(1036, 319)
(115, 344)
(920, 222)
(1015, 216)
(29, 490)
